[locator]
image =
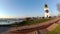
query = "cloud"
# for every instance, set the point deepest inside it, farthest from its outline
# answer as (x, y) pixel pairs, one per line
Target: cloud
(9, 16)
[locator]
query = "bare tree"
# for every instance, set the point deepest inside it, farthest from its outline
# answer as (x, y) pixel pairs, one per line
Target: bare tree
(58, 8)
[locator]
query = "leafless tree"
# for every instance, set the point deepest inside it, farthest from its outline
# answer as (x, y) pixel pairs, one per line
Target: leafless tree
(58, 8)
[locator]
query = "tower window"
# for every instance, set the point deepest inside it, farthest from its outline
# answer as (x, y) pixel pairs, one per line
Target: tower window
(47, 15)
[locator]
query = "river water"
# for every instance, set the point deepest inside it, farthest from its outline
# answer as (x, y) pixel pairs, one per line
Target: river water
(9, 22)
(3, 29)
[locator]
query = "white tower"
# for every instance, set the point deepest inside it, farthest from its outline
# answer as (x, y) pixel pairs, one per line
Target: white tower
(46, 11)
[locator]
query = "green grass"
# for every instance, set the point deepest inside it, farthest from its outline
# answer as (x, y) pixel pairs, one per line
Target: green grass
(55, 31)
(34, 21)
(29, 22)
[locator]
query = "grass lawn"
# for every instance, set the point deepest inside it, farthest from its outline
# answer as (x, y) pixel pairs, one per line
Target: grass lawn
(55, 31)
(34, 21)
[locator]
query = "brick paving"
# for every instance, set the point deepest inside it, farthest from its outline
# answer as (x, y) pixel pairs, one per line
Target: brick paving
(53, 26)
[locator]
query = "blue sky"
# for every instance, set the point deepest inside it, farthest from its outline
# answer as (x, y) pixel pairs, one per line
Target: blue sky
(27, 8)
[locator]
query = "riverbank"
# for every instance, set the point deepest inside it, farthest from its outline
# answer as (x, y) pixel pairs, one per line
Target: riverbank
(37, 21)
(31, 28)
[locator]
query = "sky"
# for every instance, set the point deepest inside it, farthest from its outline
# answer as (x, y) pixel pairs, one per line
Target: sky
(26, 8)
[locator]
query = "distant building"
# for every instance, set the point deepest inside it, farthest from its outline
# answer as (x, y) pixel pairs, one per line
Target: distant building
(46, 11)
